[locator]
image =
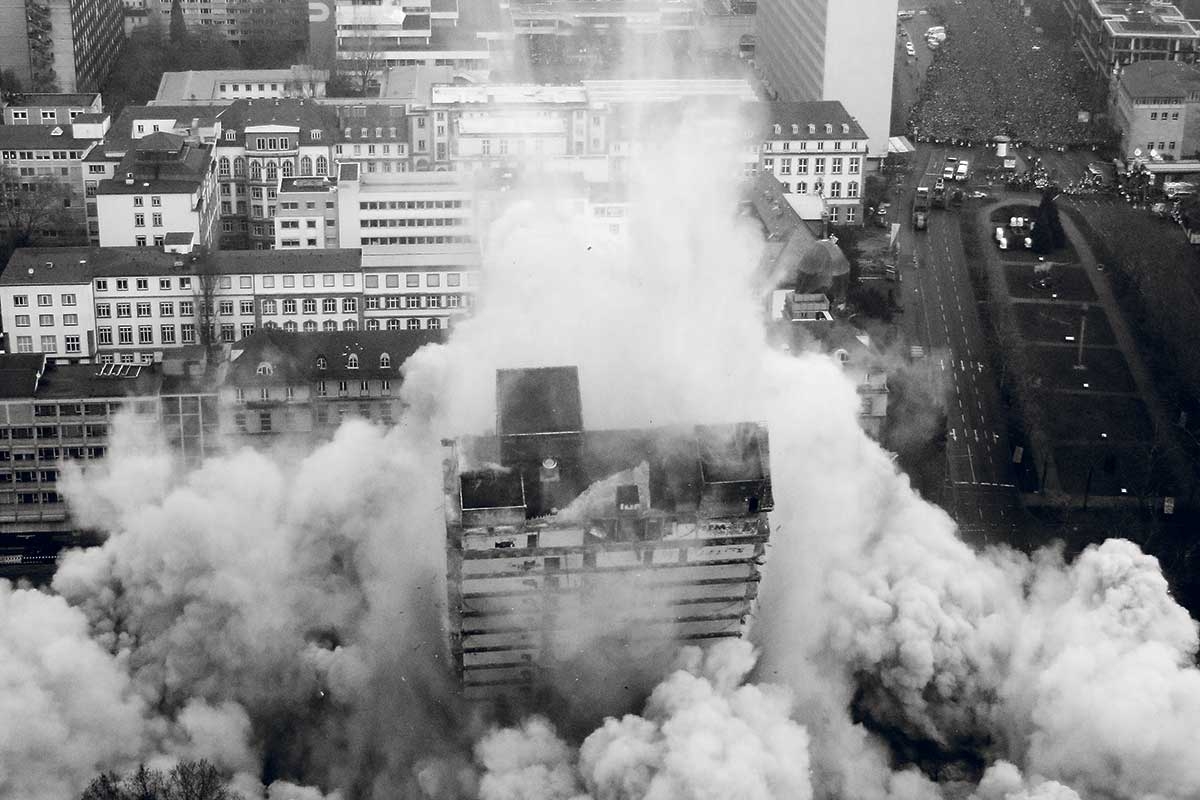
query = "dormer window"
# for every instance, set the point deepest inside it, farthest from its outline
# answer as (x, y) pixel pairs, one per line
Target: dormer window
(316, 135)
(385, 361)
(828, 127)
(845, 127)
(795, 129)
(230, 136)
(812, 128)
(321, 362)
(265, 369)
(352, 361)
(778, 128)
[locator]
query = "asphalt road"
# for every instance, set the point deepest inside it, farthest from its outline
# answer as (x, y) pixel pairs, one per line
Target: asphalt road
(982, 497)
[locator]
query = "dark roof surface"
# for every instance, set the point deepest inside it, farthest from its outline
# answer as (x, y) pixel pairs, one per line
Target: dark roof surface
(541, 400)
(67, 265)
(19, 373)
(294, 357)
(48, 99)
(41, 137)
(816, 112)
(1160, 79)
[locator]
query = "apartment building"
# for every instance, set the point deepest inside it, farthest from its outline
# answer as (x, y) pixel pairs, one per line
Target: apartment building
(831, 50)
(42, 167)
(61, 45)
(136, 305)
(1155, 105)
(661, 532)
(50, 109)
(260, 143)
(243, 22)
(294, 384)
(166, 185)
(1115, 33)
(817, 148)
(536, 18)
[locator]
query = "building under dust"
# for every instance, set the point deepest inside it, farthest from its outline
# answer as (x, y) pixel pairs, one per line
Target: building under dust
(558, 536)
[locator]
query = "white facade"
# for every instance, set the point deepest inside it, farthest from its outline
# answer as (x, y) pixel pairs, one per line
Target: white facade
(143, 220)
(52, 318)
(832, 50)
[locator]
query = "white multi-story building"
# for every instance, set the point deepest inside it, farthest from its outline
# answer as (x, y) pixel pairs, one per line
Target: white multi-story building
(832, 50)
(130, 305)
(165, 185)
(818, 149)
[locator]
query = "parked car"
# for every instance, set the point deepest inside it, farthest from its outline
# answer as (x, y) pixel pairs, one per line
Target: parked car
(961, 173)
(908, 48)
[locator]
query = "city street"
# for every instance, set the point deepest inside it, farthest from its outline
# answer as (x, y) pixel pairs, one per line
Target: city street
(943, 315)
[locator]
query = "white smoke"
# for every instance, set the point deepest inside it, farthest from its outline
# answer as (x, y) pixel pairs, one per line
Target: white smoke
(281, 616)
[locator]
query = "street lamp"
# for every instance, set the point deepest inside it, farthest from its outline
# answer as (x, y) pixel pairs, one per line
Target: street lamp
(1082, 330)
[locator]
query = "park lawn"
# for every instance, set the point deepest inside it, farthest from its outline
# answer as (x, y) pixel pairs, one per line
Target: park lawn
(1082, 418)
(1053, 367)
(1050, 322)
(1068, 281)
(1113, 467)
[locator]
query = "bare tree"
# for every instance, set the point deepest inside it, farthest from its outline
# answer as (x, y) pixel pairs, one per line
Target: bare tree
(207, 278)
(365, 64)
(36, 210)
(189, 780)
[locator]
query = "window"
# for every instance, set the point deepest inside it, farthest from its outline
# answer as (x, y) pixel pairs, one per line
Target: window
(103, 311)
(143, 309)
(854, 165)
(247, 329)
(187, 308)
(852, 189)
(329, 325)
(851, 214)
(226, 308)
(433, 280)
(187, 333)
(329, 305)
(122, 284)
(68, 299)
(306, 166)
(269, 307)
(264, 420)
(145, 334)
(143, 284)
(247, 307)
(71, 344)
(166, 309)
(819, 166)
(164, 284)
(103, 336)
(223, 167)
(49, 344)
(1153, 115)
(453, 279)
(139, 220)
(835, 189)
(228, 332)
(167, 334)
(350, 305)
(125, 334)
(138, 202)
(289, 306)
(835, 166)
(22, 320)
(157, 220)
(46, 320)
(414, 324)
(70, 319)
(385, 361)
(310, 306)
(785, 166)
(322, 165)
(124, 310)
(1174, 115)
(801, 166)
(411, 281)
(352, 361)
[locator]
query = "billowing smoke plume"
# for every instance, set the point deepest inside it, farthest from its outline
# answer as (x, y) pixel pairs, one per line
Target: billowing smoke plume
(280, 614)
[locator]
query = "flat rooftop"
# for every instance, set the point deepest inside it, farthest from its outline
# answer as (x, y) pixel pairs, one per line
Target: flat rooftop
(1143, 19)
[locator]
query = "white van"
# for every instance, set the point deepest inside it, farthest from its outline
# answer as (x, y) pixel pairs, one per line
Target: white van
(961, 173)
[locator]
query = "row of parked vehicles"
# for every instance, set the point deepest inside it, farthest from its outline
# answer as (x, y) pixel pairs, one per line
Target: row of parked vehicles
(942, 194)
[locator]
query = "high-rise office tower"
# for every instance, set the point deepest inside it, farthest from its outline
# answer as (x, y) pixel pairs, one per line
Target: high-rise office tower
(61, 45)
(832, 50)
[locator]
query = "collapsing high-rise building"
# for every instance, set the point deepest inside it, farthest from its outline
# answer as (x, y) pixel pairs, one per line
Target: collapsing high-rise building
(558, 536)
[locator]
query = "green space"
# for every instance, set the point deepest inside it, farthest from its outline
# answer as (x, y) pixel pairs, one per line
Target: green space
(1136, 468)
(1104, 369)
(1094, 418)
(1068, 281)
(1050, 322)
(996, 75)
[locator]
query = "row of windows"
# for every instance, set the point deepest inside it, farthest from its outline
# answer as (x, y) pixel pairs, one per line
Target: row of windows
(43, 300)
(1154, 115)
(391, 302)
(31, 498)
(187, 308)
(142, 284)
(329, 305)
(236, 168)
(1169, 145)
(41, 155)
(48, 114)
(818, 165)
(375, 324)
(413, 222)
(43, 432)
(835, 189)
(72, 344)
(382, 241)
(787, 146)
(411, 205)
(46, 320)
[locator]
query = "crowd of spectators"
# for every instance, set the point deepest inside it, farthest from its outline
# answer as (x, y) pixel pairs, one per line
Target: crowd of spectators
(995, 76)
